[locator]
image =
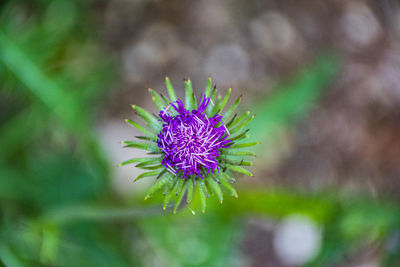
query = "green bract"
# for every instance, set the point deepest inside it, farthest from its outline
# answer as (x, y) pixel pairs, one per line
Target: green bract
(214, 174)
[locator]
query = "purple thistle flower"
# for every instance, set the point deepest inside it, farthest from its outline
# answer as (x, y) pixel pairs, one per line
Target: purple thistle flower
(190, 140)
(196, 148)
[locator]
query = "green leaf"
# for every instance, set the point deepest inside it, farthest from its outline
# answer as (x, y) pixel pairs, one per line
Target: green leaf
(141, 145)
(162, 173)
(147, 174)
(232, 109)
(167, 105)
(240, 136)
(239, 169)
(237, 153)
(170, 89)
(225, 100)
(150, 161)
(216, 109)
(141, 128)
(241, 145)
(168, 186)
(179, 199)
(139, 160)
(213, 105)
(202, 197)
(190, 190)
(236, 162)
(235, 121)
(242, 125)
(155, 152)
(224, 181)
(146, 138)
(170, 194)
(208, 88)
(157, 99)
(151, 121)
(216, 189)
(205, 189)
(8, 257)
(213, 93)
(50, 243)
(228, 124)
(179, 186)
(190, 101)
(165, 100)
(155, 167)
(65, 104)
(60, 101)
(158, 185)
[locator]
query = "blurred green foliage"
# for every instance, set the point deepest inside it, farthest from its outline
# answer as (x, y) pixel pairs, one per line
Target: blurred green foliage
(56, 205)
(292, 100)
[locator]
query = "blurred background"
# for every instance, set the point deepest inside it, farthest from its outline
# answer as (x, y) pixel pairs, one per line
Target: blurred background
(323, 78)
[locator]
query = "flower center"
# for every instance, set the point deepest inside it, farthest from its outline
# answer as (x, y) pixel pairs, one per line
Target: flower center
(190, 140)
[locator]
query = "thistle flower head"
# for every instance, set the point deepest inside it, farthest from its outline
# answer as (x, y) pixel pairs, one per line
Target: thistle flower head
(198, 147)
(190, 140)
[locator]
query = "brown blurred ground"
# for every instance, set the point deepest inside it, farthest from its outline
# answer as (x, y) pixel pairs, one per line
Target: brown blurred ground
(351, 140)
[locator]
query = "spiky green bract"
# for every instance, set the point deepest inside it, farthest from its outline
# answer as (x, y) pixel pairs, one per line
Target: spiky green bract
(231, 161)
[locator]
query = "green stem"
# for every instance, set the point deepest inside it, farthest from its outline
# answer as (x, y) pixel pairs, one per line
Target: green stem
(90, 213)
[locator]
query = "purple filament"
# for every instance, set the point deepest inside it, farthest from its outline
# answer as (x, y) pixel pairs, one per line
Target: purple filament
(190, 140)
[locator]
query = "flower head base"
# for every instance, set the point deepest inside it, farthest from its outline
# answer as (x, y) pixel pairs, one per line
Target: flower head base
(197, 147)
(190, 140)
